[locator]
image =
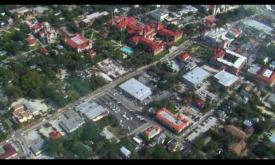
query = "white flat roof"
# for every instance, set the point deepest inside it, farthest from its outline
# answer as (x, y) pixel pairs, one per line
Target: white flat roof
(196, 76)
(125, 151)
(91, 109)
(216, 33)
(225, 78)
(267, 73)
(241, 59)
(258, 25)
(136, 89)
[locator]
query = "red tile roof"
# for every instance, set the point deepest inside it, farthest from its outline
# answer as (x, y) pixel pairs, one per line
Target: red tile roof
(123, 22)
(73, 42)
(200, 103)
(153, 45)
(31, 40)
(177, 123)
(152, 131)
(218, 53)
(184, 56)
(55, 135)
(167, 32)
(9, 152)
(268, 79)
(37, 27)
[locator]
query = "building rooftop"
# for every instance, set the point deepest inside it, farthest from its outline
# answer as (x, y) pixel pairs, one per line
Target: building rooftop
(266, 74)
(160, 12)
(91, 109)
(78, 41)
(8, 151)
(258, 25)
(237, 132)
(238, 148)
(55, 135)
(184, 56)
(72, 123)
(152, 131)
(254, 69)
(226, 79)
(125, 151)
(196, 76)
(94, 16)
(177, 123)
(238, 61)
(136, 89)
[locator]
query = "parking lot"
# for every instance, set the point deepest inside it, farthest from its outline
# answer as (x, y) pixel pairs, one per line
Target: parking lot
(203, 127)
(128, 119)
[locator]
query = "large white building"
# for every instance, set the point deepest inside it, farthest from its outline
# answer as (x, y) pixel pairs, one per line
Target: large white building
(258, 25)
(91, 110)
(226, 79)
(159, 15)
(196, 76)
(136, 89)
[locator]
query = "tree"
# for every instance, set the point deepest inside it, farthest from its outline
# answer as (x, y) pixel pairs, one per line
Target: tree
(13, 91)
(55, 147)
(110, 119)
(96, 82)
(90, 132)
(199, 142)
(32, 83)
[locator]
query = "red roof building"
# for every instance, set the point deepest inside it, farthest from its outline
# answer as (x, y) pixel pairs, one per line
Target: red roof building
(55, 135)
(184, 56)
(79, 43)
(144, 34)
(152, 131)
(200, 103)
(173, 35)
(37, 27)
(228, 60)
(31, 40)
(10, 152)
(44, 51)
(266, 75)
(175, 123)
(153, 46)
(209, 21)
(123, 22)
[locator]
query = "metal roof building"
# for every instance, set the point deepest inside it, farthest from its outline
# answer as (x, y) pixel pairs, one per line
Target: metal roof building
(226, 79)
(136, 89)
(70, 123)
(196, 76)
(258, 25)
(91, 110)
(125, 152)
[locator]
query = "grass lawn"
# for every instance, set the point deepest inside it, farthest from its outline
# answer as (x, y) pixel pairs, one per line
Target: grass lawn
(160, 55)
(180, 41)
(116, 131)
(201, 51)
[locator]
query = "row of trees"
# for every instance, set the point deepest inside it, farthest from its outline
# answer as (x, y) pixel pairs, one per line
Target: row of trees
(158, 152)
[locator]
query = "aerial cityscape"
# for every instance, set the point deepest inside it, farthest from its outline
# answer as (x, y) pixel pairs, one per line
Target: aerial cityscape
(137, 81)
